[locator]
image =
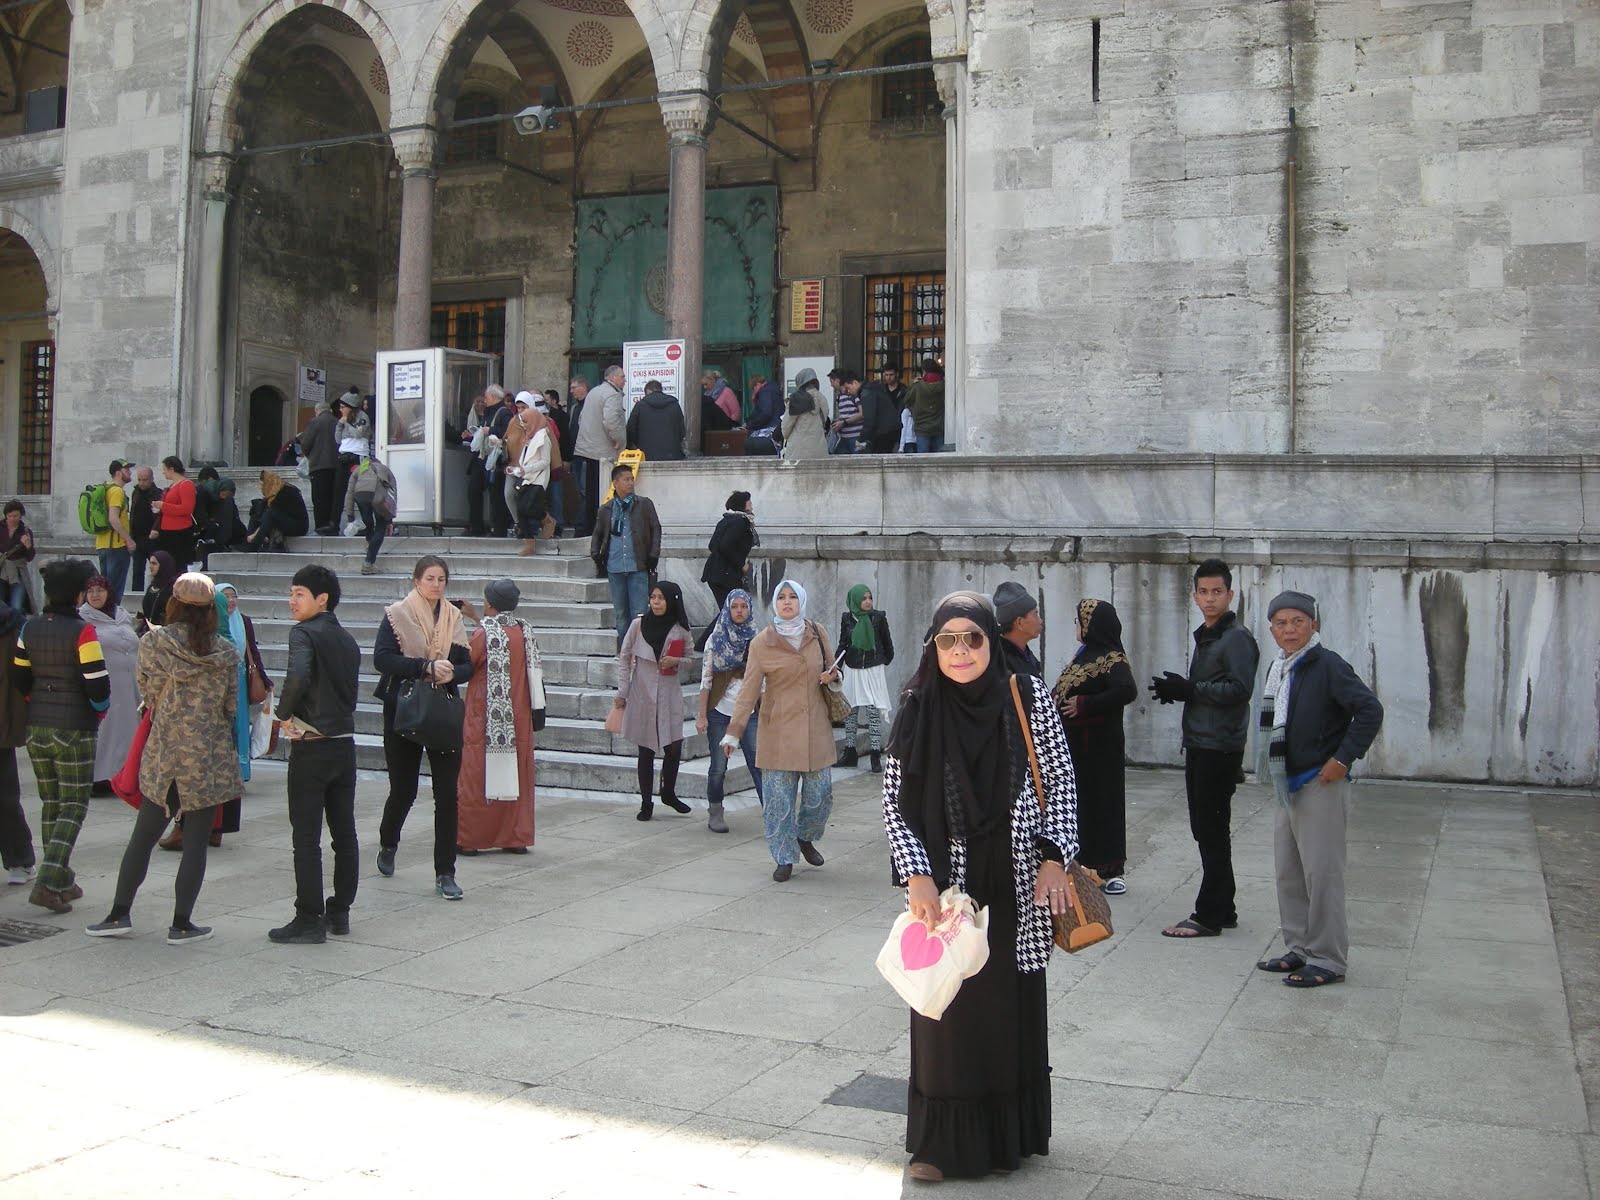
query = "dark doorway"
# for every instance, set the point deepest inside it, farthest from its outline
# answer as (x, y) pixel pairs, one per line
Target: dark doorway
(266, 426)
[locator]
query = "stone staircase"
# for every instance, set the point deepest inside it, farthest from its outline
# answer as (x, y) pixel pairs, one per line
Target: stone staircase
(568, 609)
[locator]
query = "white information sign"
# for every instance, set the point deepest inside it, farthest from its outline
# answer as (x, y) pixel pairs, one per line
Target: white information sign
(661, 361)
(313, 386)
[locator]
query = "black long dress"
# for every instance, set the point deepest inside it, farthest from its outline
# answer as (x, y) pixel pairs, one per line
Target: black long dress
(980, 1075)
(1100, 675)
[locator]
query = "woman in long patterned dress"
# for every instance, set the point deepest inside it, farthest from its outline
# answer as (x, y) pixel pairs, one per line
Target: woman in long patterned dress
(505, 708)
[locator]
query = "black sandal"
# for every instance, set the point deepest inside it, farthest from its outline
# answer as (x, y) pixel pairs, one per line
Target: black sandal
(1308, 977)
(1193, 930)
(1283, 965)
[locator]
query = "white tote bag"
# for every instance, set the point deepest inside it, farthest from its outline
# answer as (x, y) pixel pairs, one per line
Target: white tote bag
(261, 730)
(927, 968)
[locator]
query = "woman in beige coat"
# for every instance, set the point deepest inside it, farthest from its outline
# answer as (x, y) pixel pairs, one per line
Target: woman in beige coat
(789, 664)
(650, 692)
(189, 681)
(803, 428)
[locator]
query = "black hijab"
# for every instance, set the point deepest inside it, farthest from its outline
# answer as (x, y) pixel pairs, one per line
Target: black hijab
(655, 629)
(959, 727)
(1101, 649)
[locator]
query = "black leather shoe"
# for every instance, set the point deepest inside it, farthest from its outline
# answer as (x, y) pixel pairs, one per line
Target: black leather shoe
(847, 758)
(338, 921)
(672, 802)
(811, 854)
(302, 931)
(781, 873)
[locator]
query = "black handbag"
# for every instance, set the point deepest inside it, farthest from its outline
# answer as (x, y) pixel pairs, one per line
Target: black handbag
(432, 715)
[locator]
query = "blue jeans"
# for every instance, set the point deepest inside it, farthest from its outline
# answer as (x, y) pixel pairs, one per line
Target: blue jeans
(630, 592)
(717, 764)
(847, 445)
(376, 530)
(114, 566)
(555, 497)
(930, 443)
(795, 806)
(17, 595)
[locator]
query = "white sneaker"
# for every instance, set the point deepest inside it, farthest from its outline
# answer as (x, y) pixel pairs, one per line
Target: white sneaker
(17, 876)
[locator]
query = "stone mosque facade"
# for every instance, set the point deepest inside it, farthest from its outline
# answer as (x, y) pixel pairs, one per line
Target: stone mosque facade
(1308, 282)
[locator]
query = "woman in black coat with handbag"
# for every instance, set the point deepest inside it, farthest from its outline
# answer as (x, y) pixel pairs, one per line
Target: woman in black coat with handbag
(1090, 695)
(422, 636)
(731, 542)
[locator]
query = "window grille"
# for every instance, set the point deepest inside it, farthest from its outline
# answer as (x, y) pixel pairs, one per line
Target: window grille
(905, 321)
(37, 417)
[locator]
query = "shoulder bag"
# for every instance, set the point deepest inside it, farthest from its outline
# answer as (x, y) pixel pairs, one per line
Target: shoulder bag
(1088, 916)
(430, 714)
(832, 693)
(255, 686)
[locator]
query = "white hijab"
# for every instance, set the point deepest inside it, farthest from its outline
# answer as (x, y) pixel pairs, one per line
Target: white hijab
(790, 631)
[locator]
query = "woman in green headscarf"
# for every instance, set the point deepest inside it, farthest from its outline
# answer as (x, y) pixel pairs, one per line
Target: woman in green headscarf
(868, 649)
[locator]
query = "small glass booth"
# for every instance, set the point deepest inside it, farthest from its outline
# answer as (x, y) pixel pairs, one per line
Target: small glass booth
(424, 407)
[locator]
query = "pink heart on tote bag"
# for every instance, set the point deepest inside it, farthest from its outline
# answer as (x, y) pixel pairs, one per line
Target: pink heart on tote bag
(918, 948)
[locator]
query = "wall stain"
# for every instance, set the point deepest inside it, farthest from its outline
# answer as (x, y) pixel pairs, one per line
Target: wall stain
(1505, 654)
(1444, 639)
(1527, 707)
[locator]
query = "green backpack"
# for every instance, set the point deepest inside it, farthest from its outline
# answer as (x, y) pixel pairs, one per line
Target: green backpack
(93, 514)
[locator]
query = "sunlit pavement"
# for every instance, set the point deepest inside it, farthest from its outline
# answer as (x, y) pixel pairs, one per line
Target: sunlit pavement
(638, 1010)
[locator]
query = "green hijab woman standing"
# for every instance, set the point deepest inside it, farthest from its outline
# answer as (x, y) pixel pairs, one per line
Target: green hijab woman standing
(868, 649)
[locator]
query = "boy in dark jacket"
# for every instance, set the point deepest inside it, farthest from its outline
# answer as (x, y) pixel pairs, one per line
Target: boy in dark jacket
(1216, 721)
(58, 665)
(625, 547)
(1317, 718)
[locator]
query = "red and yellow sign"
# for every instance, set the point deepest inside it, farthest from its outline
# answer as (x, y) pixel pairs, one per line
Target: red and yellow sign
(805, 313)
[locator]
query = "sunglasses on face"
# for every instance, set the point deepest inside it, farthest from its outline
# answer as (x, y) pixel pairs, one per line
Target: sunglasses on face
(946, 642)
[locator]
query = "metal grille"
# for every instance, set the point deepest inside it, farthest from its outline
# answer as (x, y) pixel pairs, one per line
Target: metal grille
(910, 95)
(474, 143)
(37, 417)
(905, 321)
(474, 325)
(14, 933)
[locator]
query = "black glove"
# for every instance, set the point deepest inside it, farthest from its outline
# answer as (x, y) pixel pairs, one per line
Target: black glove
(1171, 688)
(600, 571)
(650, 564)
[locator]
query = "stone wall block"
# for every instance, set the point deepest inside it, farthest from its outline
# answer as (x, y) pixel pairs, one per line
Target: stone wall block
(1157, 157)
(1467, 98)
(1548, 220)
(1533, 266)
(1236, 154)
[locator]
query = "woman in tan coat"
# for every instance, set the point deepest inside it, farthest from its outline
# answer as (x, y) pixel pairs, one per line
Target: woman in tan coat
(189, 681)
(650, 693)
(789, 664)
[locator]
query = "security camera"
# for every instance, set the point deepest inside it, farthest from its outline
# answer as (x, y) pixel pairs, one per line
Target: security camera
(536, 118)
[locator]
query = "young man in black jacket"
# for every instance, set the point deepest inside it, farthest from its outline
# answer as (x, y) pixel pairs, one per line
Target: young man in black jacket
(317, 714)
(1216, 721)
(1317, 719)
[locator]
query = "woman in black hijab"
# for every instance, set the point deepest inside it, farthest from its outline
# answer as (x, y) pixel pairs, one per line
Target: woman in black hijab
(650, 693)
(1090, 695)
(961, 811)
(154, 607)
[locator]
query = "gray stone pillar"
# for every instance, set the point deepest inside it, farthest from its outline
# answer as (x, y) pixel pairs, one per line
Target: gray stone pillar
(686, 119)
(414, 278)
(958, 423)
(208, 431)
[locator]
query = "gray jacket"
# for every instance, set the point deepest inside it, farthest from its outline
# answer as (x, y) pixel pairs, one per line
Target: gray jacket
(319, 441)
(603, 427)
(1223, 672)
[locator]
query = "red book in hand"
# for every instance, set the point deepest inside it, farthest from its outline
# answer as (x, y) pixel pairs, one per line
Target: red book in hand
(673, 649)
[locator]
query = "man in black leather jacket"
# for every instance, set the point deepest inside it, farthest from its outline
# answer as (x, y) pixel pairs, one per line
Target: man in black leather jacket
(317, 714)
(1216, 722)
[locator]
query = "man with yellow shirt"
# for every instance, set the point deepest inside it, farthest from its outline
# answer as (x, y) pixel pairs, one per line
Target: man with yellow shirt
(114, 543)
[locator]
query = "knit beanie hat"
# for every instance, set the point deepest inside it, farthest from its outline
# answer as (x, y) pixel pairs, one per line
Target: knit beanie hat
(1012, 600)
(1295, 600)
(502, 595)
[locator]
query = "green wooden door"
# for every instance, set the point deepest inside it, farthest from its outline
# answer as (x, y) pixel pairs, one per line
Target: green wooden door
(620, 274)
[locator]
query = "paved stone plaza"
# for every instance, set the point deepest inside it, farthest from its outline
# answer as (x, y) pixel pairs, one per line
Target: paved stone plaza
(637, 1010)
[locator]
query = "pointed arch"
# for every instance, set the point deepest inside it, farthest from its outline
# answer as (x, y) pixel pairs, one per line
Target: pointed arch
(222, 132)
(43, 251)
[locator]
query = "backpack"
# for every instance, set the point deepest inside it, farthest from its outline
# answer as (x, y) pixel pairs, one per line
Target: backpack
(93, 514)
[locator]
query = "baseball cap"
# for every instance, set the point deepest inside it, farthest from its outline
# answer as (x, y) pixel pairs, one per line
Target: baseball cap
(118, 464)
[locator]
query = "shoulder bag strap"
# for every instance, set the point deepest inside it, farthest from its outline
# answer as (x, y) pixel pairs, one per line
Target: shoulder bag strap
(1027, 740)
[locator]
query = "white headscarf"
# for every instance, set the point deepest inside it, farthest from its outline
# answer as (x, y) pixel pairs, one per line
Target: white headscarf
(790, 631)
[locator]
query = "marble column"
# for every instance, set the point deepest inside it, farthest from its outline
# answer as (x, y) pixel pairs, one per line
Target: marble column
(208, 431)
(414, 278)
(958, 422)
(686, 120)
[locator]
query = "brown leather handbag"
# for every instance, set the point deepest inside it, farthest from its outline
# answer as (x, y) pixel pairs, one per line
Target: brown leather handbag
(255, 686)
(1088, 916)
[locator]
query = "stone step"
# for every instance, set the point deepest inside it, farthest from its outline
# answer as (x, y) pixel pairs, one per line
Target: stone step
(396, 560)
(571, 734)
(568, 670)
(366, 613)
(588, 772)
(266, 581)
(600, 644)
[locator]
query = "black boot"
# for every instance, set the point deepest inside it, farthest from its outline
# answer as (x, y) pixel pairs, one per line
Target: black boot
(877, 763)
(646, 807)
(848, 757)
(672, 802)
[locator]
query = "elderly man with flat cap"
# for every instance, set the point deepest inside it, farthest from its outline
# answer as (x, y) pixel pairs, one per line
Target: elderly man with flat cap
(1017, 613)
(1317, 719)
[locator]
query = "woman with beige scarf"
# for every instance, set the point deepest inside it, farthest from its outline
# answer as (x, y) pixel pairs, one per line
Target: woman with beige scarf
(421, 636)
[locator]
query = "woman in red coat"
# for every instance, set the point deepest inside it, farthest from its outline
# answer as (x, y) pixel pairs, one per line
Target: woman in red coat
(175, 532)
(505, 705)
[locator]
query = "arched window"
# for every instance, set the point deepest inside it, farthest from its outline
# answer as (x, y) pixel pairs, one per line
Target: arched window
(474, 143)
(910, 95)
